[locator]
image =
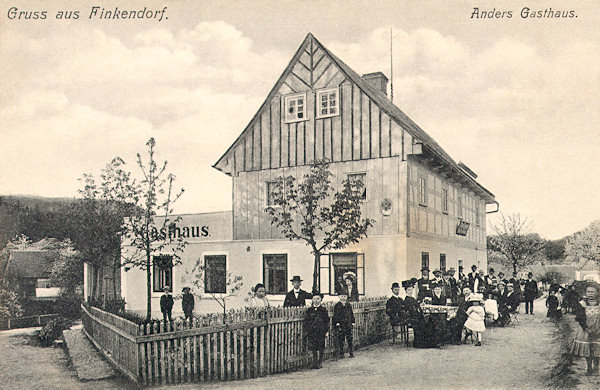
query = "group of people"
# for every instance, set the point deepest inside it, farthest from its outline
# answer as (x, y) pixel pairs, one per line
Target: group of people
(467, 293)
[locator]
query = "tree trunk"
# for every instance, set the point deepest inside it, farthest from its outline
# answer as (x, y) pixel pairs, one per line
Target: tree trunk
(148, 285)
(316, 272)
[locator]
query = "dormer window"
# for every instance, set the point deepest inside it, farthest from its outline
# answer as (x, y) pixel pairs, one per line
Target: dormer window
(327, 103)
(295, 107)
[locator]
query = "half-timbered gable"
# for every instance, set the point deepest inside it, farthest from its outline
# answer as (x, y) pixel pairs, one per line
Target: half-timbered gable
(320, 108)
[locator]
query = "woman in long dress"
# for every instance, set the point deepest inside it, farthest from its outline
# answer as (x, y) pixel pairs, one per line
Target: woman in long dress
(587, 338)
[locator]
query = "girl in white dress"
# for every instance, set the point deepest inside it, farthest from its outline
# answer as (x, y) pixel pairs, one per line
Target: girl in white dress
(476, 313)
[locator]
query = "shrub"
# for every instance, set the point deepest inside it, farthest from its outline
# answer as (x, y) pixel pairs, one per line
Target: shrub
(10, 306)
(53, 330)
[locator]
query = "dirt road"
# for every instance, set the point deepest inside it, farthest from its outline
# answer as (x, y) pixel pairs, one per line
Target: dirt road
(25, 365)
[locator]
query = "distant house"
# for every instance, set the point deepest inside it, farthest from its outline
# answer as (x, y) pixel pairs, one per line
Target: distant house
(28, 271)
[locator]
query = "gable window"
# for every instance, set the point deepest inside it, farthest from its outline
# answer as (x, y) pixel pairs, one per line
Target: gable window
(445, 200)
(275, 273)
(295, 107)
(359, 178)
(215, 274)
(422, 190)
(162, 270)
(327, 103)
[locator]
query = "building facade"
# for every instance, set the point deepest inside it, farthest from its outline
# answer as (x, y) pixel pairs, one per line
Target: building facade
(428, 209)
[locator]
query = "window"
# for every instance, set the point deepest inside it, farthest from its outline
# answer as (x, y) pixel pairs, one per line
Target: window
(162, 270)
(295, 107)
(422, 190)
(443, 262)
(43, 283)
(327, 101)
(272, 191)
(424, 259)
(362, 179)
(270, 196)
(215, 274)
(445, 200)
(348, 262)
(459, 210)
(477, 215)
(275, 273)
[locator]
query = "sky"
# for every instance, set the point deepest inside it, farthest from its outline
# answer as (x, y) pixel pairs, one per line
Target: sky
(516, 99)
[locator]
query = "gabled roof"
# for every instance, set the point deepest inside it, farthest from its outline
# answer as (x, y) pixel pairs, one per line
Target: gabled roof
(382, 102)
(29, 263)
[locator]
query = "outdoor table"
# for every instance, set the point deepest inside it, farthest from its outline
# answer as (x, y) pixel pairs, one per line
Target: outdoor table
(433, 309)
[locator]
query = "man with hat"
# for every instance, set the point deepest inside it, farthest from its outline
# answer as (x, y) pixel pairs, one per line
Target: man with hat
(530, 292)
(394, 310)
(424, 285)
(452, 292)
(437, 276)
(296, 296)
(187, 303)
(472, 277)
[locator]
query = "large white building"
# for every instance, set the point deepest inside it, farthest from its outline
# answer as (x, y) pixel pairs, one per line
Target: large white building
(429, 210)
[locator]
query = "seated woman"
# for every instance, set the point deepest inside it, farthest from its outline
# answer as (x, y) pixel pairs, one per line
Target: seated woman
(438, 320)
(415, 318)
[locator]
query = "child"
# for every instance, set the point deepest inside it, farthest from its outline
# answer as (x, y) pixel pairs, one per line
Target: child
(343, 319)
(554, 311)
(316, 324)
(475, 323)
(587, 338)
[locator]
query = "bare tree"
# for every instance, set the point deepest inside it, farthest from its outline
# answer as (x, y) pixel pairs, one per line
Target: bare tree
(310, 211)
(232, 284)
(145, 228)
(512, 245)
(585, 244)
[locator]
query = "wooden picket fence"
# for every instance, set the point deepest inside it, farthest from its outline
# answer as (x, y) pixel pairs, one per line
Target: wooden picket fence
(243, 344)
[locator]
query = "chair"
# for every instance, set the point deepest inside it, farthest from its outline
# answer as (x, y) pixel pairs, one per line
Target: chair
(514, 317)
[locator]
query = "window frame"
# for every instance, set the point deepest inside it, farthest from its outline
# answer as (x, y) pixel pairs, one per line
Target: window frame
(443, 263)
(206, 268)
(327, 91)
(459, 206)
(445, 200)
(477, 214)
(422, 190)
(265, 275)
(424, 260)
(156, 274)
(365, 195)
(359, 265)
(286, 101)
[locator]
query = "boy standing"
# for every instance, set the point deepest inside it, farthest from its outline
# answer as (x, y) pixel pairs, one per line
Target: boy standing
(187, 304)
(166, 305)
(343, 319)
(316, 323)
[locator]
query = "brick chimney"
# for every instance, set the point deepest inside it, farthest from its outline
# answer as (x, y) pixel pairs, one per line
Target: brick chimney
(377, 80)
